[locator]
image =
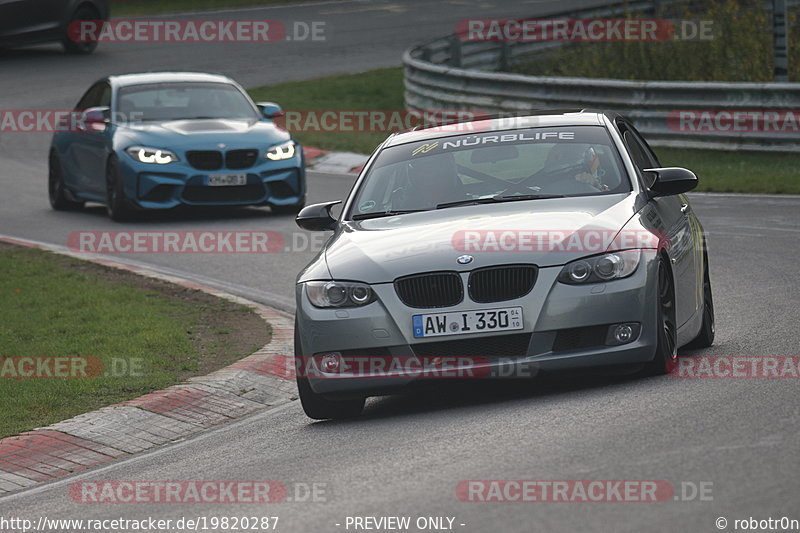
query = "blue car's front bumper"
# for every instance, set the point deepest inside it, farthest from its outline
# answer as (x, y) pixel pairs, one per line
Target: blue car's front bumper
(151, 186)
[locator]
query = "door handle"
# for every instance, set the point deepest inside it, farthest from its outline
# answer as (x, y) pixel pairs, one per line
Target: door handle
(684, 208)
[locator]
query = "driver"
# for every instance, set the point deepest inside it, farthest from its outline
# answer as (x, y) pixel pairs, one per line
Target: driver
(588, 162)
(432, 180)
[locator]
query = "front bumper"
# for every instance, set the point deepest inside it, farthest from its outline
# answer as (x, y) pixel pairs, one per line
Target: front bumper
(150, 186)
(564, 327)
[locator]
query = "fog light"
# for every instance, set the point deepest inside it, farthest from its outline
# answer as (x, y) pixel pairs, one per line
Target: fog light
(331, 362)
(623, 333)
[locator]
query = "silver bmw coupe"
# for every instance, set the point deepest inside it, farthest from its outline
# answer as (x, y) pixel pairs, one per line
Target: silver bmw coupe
(498, 248)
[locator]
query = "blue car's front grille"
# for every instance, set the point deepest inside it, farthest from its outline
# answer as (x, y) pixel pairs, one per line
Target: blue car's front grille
(205, 159)
(213, 159)
(238, 159)
(252, 192)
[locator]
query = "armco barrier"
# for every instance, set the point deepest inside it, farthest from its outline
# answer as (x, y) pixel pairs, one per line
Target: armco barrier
(451, 73)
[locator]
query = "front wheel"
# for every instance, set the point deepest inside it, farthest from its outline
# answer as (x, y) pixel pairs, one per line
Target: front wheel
(55, 187)
(117, 206)
(317, 406)
(705, 338)
(666, 356)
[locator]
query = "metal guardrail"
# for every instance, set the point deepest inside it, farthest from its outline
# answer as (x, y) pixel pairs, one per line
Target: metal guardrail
(454, 74)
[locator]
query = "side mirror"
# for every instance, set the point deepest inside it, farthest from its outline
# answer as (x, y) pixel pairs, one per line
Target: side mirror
(317, 217)
(95, 119)
(270, 109)
(670, 180)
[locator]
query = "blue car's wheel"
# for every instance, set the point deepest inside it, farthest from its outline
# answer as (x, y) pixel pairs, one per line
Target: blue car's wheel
(117, 206)
(666, 356)
(59, 197)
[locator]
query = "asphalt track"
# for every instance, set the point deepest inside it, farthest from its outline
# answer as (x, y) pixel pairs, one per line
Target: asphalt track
(407, 454)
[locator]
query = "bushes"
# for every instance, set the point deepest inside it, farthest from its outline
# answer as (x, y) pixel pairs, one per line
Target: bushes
(741, 50)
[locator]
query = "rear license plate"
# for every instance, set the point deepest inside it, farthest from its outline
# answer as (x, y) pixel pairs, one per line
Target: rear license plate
(226, 180)
(460, 322)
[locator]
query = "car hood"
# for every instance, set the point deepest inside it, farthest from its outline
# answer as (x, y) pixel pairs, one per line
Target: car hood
(204, 133)
(381, 250)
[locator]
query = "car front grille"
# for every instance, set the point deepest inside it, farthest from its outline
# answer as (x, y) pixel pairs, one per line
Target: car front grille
(500, 283)
(213, 159)
(579, 338)
(252, 192)
(205, 159)
(238, 159)
(490, 347)
(432, 289)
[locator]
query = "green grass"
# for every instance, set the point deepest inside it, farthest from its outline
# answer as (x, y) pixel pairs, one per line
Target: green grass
(380, 89)
(737, 171)
(152, 7)
(719, 171)
(54, 306)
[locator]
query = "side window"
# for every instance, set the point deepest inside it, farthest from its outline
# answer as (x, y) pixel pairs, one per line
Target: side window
(98, 95)
(638, 153)
(645, 146)
(105, 95)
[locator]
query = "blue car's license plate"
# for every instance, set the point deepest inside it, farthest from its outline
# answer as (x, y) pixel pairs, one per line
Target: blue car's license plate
(472, 321)
(226, 180)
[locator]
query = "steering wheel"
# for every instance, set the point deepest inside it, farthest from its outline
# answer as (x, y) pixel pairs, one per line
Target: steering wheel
(552, 175)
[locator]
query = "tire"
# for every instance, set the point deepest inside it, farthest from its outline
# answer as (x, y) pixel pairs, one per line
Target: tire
(59, 199)
(666, 356)
(117, 206)
(73, 47)
(705, 338)
(317, 406)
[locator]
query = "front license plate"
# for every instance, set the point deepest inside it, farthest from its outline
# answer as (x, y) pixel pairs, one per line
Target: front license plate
(458, 322)
(226, 180)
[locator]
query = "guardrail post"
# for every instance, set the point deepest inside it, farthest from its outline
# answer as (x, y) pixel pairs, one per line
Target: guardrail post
(505, 56)
(780, 40)
(455, 51)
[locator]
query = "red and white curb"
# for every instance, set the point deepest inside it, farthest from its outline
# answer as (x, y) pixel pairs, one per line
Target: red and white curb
(334, 162)
(261, 380)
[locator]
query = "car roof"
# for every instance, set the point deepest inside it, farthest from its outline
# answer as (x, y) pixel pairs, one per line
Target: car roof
(547, 118)
(123, 80)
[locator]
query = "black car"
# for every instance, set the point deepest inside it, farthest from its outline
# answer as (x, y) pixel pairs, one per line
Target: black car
(27, 22)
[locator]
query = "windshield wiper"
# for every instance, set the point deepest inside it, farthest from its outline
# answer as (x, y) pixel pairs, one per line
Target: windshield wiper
(498, 199)
(363, 216)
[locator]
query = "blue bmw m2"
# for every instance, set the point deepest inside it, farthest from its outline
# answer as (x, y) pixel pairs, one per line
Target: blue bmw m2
(161, 140)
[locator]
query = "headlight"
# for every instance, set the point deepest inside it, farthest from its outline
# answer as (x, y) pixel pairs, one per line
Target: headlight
(599, 268)
(144, 154)
(281, 151)
(339, 293)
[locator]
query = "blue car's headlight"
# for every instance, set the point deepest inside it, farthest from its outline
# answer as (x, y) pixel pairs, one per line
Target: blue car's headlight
(281, 151)
(339, 293)
(600, 268)
(145, 154)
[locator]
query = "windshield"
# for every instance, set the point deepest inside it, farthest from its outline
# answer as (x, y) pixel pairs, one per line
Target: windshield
(493, 166)
(184, 100)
